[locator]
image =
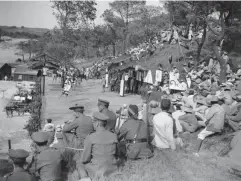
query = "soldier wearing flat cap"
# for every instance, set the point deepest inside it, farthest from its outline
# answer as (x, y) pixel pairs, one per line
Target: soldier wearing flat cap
(81, 125)
(18, 158)
(46, 162)
(100, 148)
(103, 106)
(134, 132)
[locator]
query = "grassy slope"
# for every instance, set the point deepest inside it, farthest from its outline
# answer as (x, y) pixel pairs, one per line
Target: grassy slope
(179, 165)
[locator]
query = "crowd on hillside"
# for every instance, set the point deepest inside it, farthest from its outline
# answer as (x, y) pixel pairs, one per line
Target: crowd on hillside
(185, 100)
(100, 142)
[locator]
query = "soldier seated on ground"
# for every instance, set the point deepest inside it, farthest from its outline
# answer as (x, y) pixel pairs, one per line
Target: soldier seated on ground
(18, 158)
(188, 120)
(100, 148)
(46, 163)
(103, 106)
(81, 125)
(135, 134)
(50, 129)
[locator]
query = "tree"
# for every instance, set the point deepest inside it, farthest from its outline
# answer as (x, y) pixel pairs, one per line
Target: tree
(229, 21)
(114, 29)
(126, 11)
(147, 20)
(72, 13)
(22, 46)
(75, 20)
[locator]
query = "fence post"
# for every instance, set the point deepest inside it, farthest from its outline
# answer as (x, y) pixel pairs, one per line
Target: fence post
(9, 145)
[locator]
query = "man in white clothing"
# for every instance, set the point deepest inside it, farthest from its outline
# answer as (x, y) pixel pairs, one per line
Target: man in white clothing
(163, 127)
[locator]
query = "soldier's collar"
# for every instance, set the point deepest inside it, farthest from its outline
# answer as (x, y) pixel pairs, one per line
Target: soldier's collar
(19, 169)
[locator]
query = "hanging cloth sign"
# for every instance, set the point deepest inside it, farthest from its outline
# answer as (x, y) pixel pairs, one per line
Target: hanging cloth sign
(158, 75)
(122, 88)
(106, 80)
(148, 78)
(45, 70)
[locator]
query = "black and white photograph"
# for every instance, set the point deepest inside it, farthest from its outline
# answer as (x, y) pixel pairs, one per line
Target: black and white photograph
(120, 90)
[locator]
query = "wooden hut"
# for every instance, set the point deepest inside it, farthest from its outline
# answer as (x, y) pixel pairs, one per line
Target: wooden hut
(23, 73)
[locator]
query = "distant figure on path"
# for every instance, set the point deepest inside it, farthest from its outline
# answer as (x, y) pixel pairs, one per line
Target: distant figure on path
(103, 82)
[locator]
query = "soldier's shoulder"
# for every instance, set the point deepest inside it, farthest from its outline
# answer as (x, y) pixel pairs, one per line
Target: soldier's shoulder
(87, 117)
(23, 175)
(91, 135)
(49, 151)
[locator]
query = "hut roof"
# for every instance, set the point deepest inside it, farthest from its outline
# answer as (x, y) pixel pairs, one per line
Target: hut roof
(24, 70)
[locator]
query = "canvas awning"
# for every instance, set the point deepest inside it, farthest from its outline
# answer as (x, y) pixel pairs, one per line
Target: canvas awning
(138, 67)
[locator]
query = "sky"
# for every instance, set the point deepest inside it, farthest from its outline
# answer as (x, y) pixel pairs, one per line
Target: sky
(39, 14)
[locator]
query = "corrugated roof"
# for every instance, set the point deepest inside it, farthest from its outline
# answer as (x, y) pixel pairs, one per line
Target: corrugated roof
(24, 70)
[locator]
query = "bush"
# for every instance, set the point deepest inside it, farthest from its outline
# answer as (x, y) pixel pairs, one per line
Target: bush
(34, 123)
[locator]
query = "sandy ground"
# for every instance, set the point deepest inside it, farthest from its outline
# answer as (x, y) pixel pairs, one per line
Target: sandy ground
(86, 94)
(10, 128)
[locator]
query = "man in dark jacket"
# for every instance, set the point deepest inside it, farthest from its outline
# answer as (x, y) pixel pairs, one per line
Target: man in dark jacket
(135, 134)
(46, 162)
(99, 155)
(81, 125)
(18, 158)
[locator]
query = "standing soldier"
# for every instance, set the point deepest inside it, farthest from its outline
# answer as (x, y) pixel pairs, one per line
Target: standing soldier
(103, 106)
(18, 158)
(46, 162)
(82, 126)
(99, 156)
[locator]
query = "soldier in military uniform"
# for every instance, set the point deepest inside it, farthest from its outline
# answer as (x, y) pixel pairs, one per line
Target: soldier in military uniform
(100, 148)
(18, 158)
(103, 106)
(81, 125)
(135, 134)
(47, 162)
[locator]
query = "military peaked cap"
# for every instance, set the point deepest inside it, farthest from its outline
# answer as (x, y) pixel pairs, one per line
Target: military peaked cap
(18, 154)
(40, 137)
(103, 102)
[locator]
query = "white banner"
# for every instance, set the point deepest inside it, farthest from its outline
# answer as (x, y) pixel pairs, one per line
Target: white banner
(174, 84)
(122, 83)
(148, 78)
(158, 75)
(106, 80)
(45, 70)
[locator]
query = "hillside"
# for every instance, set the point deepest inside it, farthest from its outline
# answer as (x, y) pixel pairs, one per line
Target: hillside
(22, 32)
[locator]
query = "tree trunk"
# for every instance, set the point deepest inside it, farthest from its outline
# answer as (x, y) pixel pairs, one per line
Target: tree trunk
(187, 30)
(23, 56)
(30, 54)
(200, 45)
(222, 62)
(113, 49)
